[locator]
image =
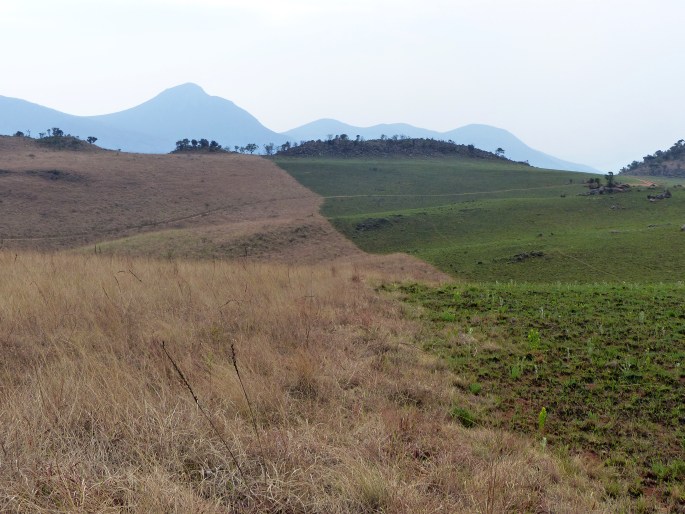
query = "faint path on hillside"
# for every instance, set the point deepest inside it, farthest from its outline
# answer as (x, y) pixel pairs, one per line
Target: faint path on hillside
(437, 195)
(166, 221)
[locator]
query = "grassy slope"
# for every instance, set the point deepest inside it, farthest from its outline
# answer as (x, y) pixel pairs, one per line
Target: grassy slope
(605, 361)
(608, 365)
(468, 218)
(348, 417)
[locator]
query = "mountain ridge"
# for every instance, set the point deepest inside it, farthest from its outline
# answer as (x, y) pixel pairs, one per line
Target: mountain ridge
(186, 110)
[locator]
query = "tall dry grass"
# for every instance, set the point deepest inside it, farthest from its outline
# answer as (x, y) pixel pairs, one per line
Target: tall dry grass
(350, 416)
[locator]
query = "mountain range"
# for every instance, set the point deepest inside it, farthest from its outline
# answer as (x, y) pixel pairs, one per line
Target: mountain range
(188, 111)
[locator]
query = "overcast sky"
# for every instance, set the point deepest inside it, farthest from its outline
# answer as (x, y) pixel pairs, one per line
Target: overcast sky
(601, 82)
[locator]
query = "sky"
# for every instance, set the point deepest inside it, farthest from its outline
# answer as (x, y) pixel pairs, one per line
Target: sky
(600, 82)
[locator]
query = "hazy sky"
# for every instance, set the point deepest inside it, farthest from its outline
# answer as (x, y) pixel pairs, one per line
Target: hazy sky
(600, 82)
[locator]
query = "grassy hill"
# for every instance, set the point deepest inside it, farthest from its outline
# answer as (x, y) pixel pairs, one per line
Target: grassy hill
(565, 301)
(197, 205)
(489, 220)
(295, 379)
(342, 146)
(667, 163)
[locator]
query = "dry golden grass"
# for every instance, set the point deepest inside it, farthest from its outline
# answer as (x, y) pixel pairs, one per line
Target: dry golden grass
(82, 197)
(350, 415)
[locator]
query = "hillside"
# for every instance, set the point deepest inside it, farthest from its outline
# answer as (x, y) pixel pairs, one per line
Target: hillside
(487, 220)
(481, 136)
(342, 146)
(668, 163)
(311, 397)
(196, 205)
(207, 342)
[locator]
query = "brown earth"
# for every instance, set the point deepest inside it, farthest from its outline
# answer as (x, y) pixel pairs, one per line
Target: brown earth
(205, 206)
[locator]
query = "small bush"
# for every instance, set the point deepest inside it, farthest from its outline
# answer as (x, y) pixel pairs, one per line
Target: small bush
(464, 416)
(475, 388)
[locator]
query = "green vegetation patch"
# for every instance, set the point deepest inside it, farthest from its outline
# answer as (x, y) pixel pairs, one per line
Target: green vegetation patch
(489, 220)
(606, 362)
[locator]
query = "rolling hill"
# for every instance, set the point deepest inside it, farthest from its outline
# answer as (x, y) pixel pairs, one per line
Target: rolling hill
(200, 206)
(484, 137)
(325, 393)
(667, 163)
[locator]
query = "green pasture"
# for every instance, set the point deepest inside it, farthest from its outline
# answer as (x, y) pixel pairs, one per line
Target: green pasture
(489, 221)
(563, 302)
(606, 362)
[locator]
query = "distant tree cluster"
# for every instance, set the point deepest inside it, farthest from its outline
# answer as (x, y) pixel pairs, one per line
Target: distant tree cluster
(669, 163)
(57, 139)
(201, 145)
(54, 136)
(398, 145)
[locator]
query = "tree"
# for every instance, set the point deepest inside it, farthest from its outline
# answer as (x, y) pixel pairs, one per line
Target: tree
(251, 147)
(193, 142)
(18, 133)
(204, 143)
(269, 149)
(609, 178)
(57, 132)
(499, 152)
(213, 145)
(182, 144)
(91, 139)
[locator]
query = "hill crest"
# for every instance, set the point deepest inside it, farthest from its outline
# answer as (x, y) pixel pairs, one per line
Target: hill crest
(342, 146)
(667, 163)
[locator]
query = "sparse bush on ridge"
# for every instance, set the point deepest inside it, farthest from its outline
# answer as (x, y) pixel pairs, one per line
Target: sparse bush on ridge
(198, 145)
(668, 163)
(402, 146)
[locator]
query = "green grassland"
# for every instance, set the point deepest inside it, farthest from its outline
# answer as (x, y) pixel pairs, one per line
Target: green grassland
(484, 220)
(607, 362)
(568, 302)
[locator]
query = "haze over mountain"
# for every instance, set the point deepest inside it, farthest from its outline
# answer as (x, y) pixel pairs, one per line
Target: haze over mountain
(186, 111)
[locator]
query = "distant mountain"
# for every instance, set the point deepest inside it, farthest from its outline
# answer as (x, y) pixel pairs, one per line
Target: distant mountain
(186, 111)
(20, 115)
(326, 128)
(484, 137)
(666, 163)
(152, 127)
